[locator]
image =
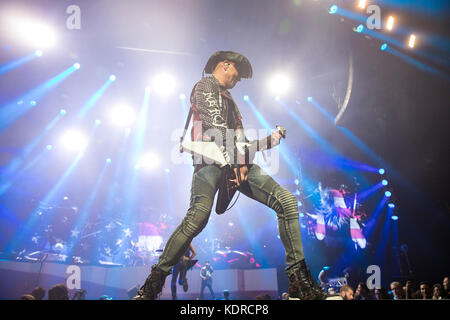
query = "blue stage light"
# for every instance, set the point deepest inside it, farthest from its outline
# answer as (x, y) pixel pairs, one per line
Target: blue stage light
(32, 103)
(299, 203)
(296, 181)
(108, 160)
(384, 182)
(76, 65)
(391, 205)
(49, 147)
(112, 78)
(333, 9)
(359, 28)
(381, 171)
(246, 98)
(98, 122)
(182, 96)
(384, 46)
(62, 112)
(309, 99)
(395, 218)
(38, 53)
(302, 214)
(388, 194)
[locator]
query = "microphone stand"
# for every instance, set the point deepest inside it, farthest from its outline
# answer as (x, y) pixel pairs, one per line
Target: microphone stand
(42, 260)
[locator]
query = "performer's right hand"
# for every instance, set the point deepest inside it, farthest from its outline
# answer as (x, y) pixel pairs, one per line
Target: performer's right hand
(244, 175)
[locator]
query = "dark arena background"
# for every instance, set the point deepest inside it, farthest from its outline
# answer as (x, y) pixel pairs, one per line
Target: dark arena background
(93, 99)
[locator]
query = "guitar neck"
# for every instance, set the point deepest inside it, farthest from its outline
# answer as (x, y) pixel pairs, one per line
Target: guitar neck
(266, 143)
(263, 144)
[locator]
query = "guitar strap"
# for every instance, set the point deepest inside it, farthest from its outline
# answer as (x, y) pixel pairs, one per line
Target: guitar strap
(188, 120)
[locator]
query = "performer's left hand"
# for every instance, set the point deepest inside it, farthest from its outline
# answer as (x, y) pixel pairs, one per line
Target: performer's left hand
(276, 137)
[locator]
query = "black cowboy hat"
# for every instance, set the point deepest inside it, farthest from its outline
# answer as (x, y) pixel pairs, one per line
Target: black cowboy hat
(242, 64)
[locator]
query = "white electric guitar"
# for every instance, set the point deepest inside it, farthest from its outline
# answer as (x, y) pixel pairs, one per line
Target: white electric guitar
(211, 153)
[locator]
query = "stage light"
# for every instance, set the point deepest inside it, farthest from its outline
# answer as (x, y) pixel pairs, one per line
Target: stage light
(108, 160)
(299, 203)
(182, 96)
(246, 98)
(32, 103)
(279, 84)
(309, 99)
(49, 147)
(74, 140)
(112, 78)
(381, 171)
(333, 9)
(123, 116)
(98, 122)
(167, 170)
(387, 194)
(395, 218)
(296, 181)
(38, 53)
(390, 23)
(148, 161)
(391, 205)
(62, 112)
(384, 182)
(32, 32)
(362, 4)
(359, 28)
(163, 84)
(76, 65)
(412, 41)
(383, 47)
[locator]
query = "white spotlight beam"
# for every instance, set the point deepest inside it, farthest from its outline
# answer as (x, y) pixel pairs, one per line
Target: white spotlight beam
(279, 84)
(74, 140)
(163, 84)
(123, 115)
(37, 34)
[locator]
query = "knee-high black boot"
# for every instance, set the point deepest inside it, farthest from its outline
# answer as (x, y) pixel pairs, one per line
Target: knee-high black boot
(153, 285)
(302, 285)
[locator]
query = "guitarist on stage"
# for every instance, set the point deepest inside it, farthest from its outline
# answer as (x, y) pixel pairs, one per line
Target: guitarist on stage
(214, 110)
(206, 276)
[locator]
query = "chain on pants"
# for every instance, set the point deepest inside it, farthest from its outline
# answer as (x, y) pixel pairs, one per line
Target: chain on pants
(260, 187)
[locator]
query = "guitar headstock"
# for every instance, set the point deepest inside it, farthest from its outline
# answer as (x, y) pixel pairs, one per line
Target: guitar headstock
(282, 131)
